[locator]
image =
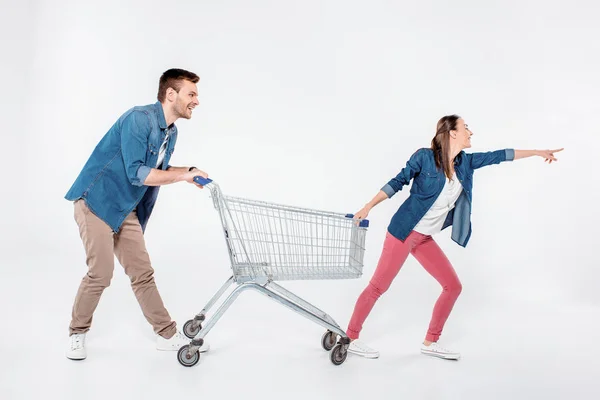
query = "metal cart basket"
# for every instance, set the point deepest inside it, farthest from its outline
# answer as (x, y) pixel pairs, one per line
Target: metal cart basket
(271, 242)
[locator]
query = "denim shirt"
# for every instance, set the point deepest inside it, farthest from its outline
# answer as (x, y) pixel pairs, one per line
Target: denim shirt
(112, 180)
(428, 184)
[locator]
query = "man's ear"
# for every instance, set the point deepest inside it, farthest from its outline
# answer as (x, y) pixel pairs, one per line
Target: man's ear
(171, 94)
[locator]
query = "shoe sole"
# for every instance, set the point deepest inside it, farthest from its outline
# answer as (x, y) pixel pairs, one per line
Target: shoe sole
(364, 355)
(438, 355)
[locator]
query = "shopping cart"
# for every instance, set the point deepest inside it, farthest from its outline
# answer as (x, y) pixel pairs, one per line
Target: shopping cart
(271, 242)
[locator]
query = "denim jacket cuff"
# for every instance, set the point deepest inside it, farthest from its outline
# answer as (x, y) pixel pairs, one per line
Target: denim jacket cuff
(142, 174)
(387, 189)
(510, 154)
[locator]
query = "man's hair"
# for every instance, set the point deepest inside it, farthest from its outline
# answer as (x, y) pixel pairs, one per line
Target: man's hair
(173, 78)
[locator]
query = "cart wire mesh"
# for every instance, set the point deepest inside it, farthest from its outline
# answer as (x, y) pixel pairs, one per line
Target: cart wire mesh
(282, 242)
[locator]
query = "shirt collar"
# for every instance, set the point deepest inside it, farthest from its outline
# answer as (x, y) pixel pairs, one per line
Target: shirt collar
(458, 158)
(162, 122)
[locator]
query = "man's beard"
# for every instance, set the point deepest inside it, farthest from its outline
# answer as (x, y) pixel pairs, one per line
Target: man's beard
(182, 111)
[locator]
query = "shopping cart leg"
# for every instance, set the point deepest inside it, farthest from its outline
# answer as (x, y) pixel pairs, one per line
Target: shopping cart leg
(340, 351)
(329, 339)
(201, 334)
(302, 307)
(303, 303)
(193, 326)
(321, 318)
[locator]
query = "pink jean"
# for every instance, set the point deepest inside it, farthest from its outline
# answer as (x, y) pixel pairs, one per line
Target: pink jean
(394, 254)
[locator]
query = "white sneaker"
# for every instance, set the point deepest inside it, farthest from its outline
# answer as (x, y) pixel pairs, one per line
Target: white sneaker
(436, 350)
(175, 343)
(76, 348)
(360, 349)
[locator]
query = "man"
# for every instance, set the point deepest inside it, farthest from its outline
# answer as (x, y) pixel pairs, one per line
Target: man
(113, 197)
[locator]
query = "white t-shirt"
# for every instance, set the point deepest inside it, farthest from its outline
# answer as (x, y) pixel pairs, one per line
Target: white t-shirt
(162, 150)
(161, 155)
(433, 221)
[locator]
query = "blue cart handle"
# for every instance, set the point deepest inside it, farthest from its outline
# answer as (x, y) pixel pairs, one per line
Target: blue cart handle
(364, 223)
(202, 181)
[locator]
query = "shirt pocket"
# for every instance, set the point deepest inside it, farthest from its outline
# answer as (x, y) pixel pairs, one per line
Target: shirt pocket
(427, 181)
(431, 177)
(151, 154)
(152, 149)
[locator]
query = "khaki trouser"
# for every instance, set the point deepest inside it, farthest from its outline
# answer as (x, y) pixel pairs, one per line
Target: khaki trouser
(101, 245)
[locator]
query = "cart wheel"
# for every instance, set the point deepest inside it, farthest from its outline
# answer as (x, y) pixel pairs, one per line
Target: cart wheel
(189, 330)
(328, 340)
(338, 355)
(186, 359)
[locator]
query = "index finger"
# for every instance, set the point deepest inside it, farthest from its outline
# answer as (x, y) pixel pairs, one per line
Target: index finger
(556, 151)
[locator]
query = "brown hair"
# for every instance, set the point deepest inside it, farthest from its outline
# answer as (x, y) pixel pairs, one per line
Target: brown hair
(440, 144)
(172, 78)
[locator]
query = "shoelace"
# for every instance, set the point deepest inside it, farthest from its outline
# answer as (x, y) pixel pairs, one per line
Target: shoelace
(362, 347)
(437, 347)
(177, 337)
(76, 342)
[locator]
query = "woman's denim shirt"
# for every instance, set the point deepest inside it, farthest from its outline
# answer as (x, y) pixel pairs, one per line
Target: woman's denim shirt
(427, 186)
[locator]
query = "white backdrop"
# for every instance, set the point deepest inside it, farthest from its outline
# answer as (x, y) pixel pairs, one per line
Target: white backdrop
(316, 104)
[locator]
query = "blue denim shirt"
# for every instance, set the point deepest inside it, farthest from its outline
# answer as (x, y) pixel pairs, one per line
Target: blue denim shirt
(427, 186)
(112, 180)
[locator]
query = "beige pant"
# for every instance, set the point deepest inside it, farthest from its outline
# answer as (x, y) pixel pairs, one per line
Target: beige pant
(101, 245)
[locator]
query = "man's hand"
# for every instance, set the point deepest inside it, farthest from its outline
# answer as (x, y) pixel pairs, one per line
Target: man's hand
(190, 175)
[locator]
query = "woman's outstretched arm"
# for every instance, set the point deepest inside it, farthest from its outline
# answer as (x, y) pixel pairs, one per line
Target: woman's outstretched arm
(479, 160)
(548, 155)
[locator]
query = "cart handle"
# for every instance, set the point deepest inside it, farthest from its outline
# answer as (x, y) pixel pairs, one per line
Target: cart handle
(202, 181)
(364, 223)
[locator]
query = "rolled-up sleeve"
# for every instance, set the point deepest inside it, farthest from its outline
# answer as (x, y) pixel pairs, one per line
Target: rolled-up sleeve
(412, 168)
(135, 130)
(479, 160)
(510, 154)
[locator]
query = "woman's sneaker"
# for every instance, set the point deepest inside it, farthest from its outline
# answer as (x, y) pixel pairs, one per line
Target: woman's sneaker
(76, 347)
(436, 350)
(360, 349)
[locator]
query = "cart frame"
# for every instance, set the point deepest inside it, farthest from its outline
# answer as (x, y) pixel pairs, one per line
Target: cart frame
(250, 274)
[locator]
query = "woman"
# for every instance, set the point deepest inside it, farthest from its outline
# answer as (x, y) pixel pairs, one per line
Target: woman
(439, 197)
